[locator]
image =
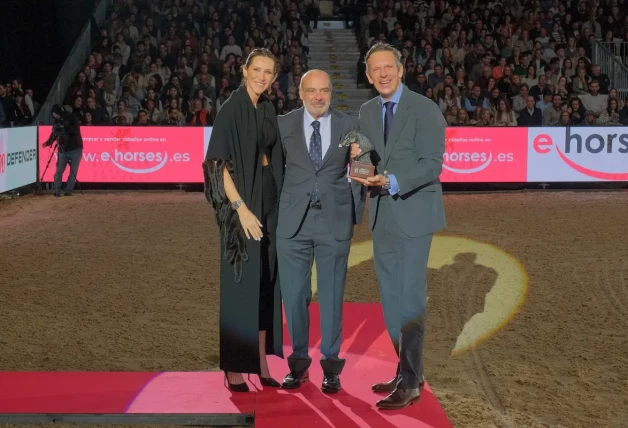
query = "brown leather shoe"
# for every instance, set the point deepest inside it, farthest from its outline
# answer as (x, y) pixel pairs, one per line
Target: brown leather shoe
(399, 399)
(391, 385)
(385, 386)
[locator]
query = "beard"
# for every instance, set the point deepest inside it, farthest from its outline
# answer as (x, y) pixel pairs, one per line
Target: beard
(319, 107)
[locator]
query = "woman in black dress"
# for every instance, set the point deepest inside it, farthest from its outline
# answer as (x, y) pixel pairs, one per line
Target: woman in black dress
(244, 169)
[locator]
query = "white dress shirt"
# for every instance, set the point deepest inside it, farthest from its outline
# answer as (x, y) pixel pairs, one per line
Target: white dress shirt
(325, 130)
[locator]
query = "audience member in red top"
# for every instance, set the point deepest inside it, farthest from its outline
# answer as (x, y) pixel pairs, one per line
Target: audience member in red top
(199, 116)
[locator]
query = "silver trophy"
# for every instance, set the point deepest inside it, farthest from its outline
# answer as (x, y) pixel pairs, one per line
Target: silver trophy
(361, 166)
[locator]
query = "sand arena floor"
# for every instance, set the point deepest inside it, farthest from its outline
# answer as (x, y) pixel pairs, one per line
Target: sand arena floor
(527, 312)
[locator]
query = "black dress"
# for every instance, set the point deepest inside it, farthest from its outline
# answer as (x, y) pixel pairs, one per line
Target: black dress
(250, 299)
(267, 137)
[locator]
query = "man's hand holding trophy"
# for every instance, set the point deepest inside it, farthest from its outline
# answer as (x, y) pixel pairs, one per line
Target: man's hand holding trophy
(361, 147)
(362, 169)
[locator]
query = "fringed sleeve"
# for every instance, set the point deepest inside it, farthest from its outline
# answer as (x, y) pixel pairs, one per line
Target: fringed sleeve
(231, 231)
(217, 160)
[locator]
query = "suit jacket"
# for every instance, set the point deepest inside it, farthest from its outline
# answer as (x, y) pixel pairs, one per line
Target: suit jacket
(414, 154)
(342, 202)
(527, 119)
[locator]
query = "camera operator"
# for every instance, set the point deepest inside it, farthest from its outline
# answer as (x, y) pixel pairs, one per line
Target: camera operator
(67, 133)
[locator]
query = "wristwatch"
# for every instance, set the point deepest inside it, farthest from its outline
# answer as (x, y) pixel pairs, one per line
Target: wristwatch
(235, 205)
(387, 185)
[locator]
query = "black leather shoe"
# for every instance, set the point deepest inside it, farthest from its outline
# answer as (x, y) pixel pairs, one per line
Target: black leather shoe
(331, 383)
(293, 380)
(57, 195)
(392, 384)
(399, 399)
(269, 381)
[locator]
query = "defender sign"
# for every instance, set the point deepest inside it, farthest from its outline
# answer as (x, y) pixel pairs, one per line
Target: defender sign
(18, 157)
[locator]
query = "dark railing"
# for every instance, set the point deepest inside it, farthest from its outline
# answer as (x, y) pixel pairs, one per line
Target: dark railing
(612, 58)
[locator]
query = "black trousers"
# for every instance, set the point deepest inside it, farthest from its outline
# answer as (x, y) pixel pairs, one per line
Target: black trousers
(268, 252)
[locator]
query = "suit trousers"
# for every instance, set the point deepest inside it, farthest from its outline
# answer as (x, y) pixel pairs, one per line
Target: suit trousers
(313, 243)
(401, 269)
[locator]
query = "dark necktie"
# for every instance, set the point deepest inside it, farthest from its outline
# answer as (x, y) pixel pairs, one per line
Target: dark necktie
(316, 153)
(388, 119)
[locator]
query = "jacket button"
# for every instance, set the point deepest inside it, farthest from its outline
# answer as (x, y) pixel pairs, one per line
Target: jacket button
(308, 194)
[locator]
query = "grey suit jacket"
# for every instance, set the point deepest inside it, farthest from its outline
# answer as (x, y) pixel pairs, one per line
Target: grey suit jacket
(414, 154)
(342, 202)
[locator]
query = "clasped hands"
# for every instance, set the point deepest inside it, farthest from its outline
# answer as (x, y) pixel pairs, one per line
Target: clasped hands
(375, 181)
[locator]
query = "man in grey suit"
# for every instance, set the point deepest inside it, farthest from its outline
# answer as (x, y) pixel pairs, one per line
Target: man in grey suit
(318, 208)
(405, 209)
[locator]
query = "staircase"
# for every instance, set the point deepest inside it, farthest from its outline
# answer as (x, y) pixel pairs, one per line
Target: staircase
(337, 53)
(612, 57)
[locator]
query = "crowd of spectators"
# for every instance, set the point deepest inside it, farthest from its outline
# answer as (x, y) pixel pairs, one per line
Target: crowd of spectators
(497, 63)
(17, 106)
(505, 63)
(174, 62)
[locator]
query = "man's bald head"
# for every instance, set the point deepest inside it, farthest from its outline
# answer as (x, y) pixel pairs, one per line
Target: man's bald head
(316, 74)
(315, 91)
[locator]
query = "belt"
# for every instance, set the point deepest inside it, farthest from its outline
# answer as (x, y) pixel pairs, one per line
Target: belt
(316, 205)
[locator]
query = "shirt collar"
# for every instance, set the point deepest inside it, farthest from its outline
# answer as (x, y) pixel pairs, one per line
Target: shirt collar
(308, 119)
(396, 96)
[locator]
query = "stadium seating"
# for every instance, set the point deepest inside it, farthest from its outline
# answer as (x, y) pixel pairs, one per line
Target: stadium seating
(501, 64)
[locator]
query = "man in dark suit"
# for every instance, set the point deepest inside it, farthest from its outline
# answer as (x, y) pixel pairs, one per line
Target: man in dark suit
(405, 210)
(318, 208)
(531, 115)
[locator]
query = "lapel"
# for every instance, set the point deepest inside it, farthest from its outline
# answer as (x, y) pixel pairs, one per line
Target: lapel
(247, 115)
(300, 142)
(399, 120)
(378, 123)
(336, 134)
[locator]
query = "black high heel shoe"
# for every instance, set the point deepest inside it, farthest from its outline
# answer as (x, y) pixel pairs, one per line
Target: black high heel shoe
(269, 381)
(236, 387)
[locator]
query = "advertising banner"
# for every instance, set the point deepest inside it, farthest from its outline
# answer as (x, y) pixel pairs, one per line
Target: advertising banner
(485, 155)
(134, 155)
(472, 155)
(18, 157)
(578, 154)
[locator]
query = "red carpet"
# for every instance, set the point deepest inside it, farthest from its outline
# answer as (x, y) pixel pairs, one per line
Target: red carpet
(366, 347)
(62, 392)
(370, 359)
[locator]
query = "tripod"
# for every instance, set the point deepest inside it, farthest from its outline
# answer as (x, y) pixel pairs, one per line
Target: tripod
(52, 153)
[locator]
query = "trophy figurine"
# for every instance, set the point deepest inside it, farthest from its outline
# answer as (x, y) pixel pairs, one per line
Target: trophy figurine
(361, 166)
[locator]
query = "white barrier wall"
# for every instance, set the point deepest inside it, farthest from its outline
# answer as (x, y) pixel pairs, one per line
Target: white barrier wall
(18, 157)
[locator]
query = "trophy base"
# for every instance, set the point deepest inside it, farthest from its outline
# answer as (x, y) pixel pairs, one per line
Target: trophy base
(361, 170)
